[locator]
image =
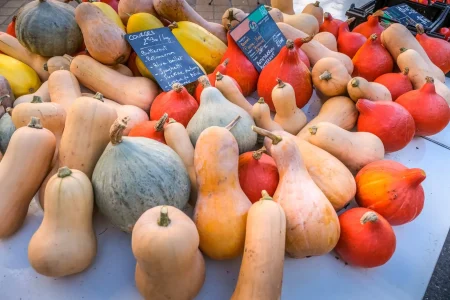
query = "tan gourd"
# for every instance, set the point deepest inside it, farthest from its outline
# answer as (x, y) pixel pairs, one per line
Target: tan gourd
(86, 134)
(312, 225)
(177, 138)
(58, 63)
(327, 39)
(42, 92)
(330, 77)
(314, 50)
(63, 88)
(360, 88)
(261, 273)
(138, 91)
(340, 111)
(304, 22)
(22, 171)
(169, 264)
(315, 10)
(261, 115)
(229, 89)
(354, 149)
(419, 70)
(220, 197)
(288, 115)
(286, 6)
(65, 242)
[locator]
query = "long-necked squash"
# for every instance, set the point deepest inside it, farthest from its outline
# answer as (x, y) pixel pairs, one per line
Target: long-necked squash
(261, 115)
(138, 91)
(221, 209)
(65, 242)
(228, 88)
(286, 6)
(56, 63)
(63, 88)
(327, 39)
(41, 194)
(330, 77)
(42, 93)
(29, 154)
(261, 273)
(169, 263)
(22, 78)
(360, 88)
(304, 22)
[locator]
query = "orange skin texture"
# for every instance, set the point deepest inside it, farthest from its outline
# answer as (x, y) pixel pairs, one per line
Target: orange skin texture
(257, 175)
(397, 84)
(368, 67)
(392, 190)
(330, 25)
(430, 111)
(389, 121)
(366, 245)
(349, 42)
(369, 27)
(437, 50)
(147, 129)
(11, 29)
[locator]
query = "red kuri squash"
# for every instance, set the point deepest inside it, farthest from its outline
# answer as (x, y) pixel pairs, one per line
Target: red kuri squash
(397, 83)
(371, 26)
(437, 50)
(330, 24)
(151, 129)
(349, 42)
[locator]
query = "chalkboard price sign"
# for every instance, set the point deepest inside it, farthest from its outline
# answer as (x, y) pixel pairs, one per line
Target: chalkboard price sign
(259, 37)
(164, 57)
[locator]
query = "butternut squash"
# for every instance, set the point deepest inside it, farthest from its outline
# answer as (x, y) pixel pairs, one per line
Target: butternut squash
(56, 63)
(65, 242)
(288, 115)
(137, 91)
(122, 69)
(10, 46)
(110, 13)
(286, 6)
(330, 77)
(221, 210)
(304, 22)
(63, 88)
(177, 138)
(228, 88)
(354, 149)
(340, 111)
(327, 39)
(42, 92)
(22, 78)
(261, 115)
(312, 225)
(360, 88)
(41, 194)
(261, 273)
(29, 155)
(86, 134)
(315, 10)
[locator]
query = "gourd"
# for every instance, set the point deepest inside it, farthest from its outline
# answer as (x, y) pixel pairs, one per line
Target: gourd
(151, 129)
(261, 273)
(330, 25)
(354, 149)
(262, 118)
(48, 28)
(7, 98)
(199, 43)
(330, 77)
(349, 42)
(109, 12)
(327, 39)
(286, 6)
(42, 92)
(177, 103)
(397, 83)
(419, 70)
(371, 26)
(58, 63)
(232, 17)
(340, 111)
(360, 88)
(103, 38)
(63, 88)
(164, 180)
(177, 138)
(7, 129)
(392, 190)
(304, 22)
(86, 134)
(430, 112)
(367, 240)
(314, 50)
(30, 167)
(65, 242)
(165, 244)
(288, 115)
(315, 10)
(22, 79)
(216, 110)
(220, 197)
(127, 8)
(257, 171)
(143, 21)
(226, 85)
(396, 37)
(10, 46)
(138, 91)
(312, 226)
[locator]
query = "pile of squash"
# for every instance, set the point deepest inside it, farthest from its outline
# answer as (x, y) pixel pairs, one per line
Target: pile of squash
(83, 123)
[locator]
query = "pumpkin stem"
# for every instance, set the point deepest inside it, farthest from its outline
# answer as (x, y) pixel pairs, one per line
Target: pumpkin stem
(225, 62)
(116, 131)
(369, 216)
(258, 153)
(316, 4)
(307, 39)
(45, 67)
(164, 217)
(173, 25)
(231, 17)
(373, 37)
(420, 29)
(9, 110)
(378, 13)
(204, 81)
(290, 44)
(325, 76)
(275, 138)
(98, 96)
(219, 76)
(406, 71)
(313, 130)
(177, 87)
(35, 123)
(267, 7)
(233, 123)
(354, 82)
(64, 172)
(429, 79)
(326, 15)
(3, 97)
(36, 99)
(261, 100)
(171, 121)
(281, 84)
(160, 124)
(350, 21)
(403, 49)
(265, 195)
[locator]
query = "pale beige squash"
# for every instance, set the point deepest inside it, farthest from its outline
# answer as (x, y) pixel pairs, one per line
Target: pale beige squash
(360, 88)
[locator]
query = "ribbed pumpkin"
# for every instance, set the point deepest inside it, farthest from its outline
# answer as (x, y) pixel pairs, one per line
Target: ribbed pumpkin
(48, 28)
(144, 174)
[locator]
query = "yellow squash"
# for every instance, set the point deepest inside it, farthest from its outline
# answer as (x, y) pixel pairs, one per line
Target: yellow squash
(23, 79)
(143, 21)
(110, 13)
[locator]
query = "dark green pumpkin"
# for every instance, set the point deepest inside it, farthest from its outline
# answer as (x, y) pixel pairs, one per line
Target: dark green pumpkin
(48, 28)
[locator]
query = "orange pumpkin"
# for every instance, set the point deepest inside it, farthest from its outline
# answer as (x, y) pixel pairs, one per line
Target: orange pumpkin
(392, 190)
(151, 129)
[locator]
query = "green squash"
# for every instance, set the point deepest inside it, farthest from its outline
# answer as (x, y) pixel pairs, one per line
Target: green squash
(7, 129)
(135, 174)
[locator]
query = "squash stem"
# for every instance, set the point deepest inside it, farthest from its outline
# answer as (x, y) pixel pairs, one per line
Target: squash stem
(35, 123)
(116, 131)
(173, 25)
(261, 101)
(98, 96)
(45, 67)
(350, 21)
(3, 97)
(9, 110)
(177, 87)
(378, 13)
(258, 153)
(281, 84)
(403, 49)
(219, 76)
(225, 62)
(420, 29)
(164, 217)
(36, 99)
(313, 130)
(267, 7)
(369, 216)
(233, 123)
(204, 81)
(354, 82)
(68, 57)
(290, 44)
(275, 138)
(159, 126)
(171, 121)
(325, 75)
(316, 4)
(373, 37)
(429, 79)
(64, 172)
(406, 71)
(265, 195)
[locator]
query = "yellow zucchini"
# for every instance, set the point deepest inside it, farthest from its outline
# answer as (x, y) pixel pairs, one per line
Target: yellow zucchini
(22, 78)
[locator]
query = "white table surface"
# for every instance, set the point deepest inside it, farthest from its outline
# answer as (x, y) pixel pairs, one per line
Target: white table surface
(405, 276)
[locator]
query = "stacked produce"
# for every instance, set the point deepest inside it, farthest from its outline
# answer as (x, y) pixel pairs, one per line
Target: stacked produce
(102, 132)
